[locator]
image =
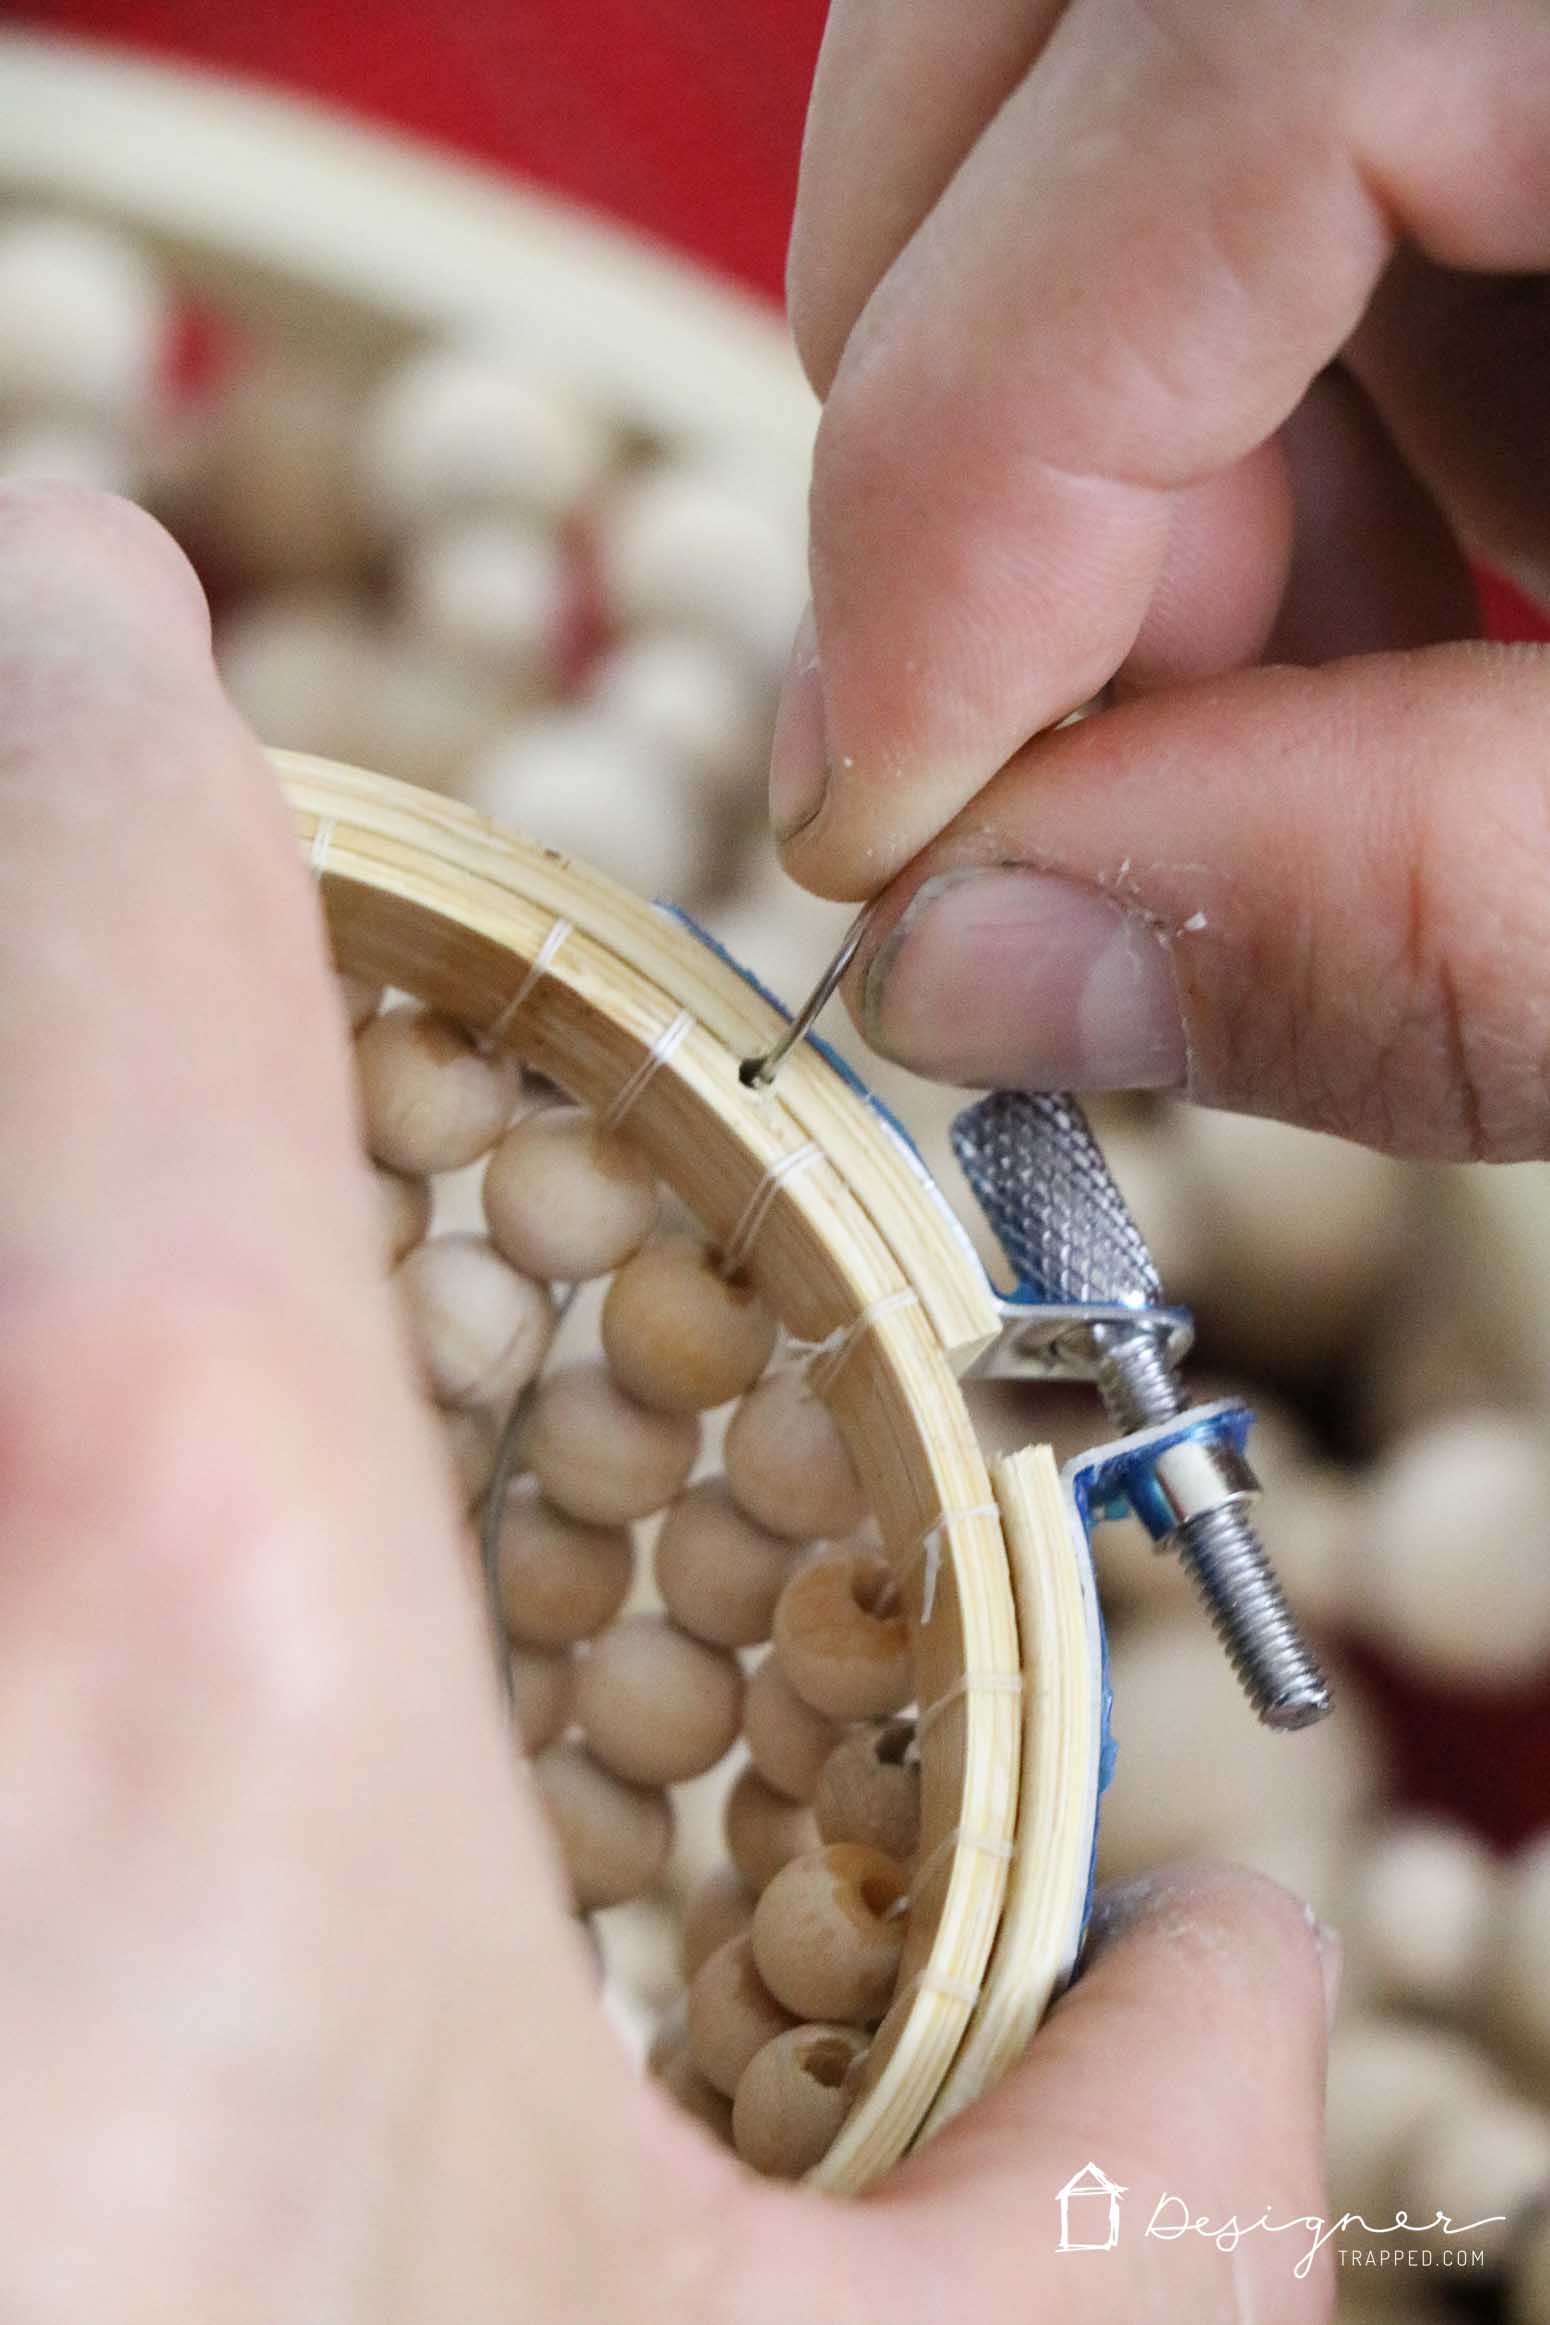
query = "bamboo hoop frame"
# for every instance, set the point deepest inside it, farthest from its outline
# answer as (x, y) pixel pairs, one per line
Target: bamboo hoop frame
(550, 959)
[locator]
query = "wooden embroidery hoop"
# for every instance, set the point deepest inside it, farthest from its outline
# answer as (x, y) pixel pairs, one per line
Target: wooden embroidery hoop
(546, 957)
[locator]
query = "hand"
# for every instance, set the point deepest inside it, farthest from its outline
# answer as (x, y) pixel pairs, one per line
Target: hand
(1160, 336)
(293, 2023)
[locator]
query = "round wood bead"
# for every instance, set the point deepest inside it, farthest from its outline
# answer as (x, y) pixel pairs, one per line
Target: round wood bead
(680, 545)
(479, 1330)
(472, 1438)
(459, 429)
(787, 1464)
(83, 319)
(599, 1455)
(788, 1742)
(543, 1694)
(1479, 2162)
(842, 1635)
(431, 1098)
(613, 1836)
(597, 790)
(732, 2014)
(1416, 1916)
(765, 1830)
(656, 1706)
(1475, 1477)
(493, 593)
(719, 1572)
(1387, 2077)
(682, 2080)
(828, 1934)
(690, 700)
(868, 1791)
(558, 1580)
(721, 1908)
(359, 1001)
(403, 1212)
(793, 2096)
(566, 1200)
(678, 1335)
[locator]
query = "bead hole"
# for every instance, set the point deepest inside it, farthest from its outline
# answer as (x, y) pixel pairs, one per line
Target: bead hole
(880, 1893)
(873, 1589)
(827, 2060)
(892, 1743)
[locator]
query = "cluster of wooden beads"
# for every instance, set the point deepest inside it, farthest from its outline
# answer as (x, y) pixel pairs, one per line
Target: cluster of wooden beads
(770, 1622)
(443, 566)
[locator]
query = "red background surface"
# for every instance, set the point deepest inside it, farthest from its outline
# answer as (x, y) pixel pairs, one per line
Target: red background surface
(685, 118)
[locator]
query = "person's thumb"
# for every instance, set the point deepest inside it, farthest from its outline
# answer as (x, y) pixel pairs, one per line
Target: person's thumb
(1184, 2072)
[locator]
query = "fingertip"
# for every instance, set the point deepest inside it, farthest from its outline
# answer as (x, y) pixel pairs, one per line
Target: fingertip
(71, 558)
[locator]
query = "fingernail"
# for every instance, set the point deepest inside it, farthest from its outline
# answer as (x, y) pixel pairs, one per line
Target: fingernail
(1024, 978)
(799, 757)
(1331, 1967)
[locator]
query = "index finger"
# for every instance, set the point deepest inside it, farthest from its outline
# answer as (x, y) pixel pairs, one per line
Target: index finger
(1170, 227)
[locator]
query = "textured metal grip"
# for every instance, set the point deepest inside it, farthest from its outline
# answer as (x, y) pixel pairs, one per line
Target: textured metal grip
(1039, 1176)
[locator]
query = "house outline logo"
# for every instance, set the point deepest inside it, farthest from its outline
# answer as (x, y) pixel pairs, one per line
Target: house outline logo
(1089, 2182)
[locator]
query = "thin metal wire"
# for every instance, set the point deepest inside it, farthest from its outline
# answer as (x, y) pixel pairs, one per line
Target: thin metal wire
(500, 1479)
(759, 1073)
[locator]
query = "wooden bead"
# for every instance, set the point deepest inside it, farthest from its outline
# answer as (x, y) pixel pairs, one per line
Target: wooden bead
(403, 1212)
(1183, 1787)
(1474, 1478)
(431, 1098)
(682, 2080)
(1416, 1917)
(1387, 2076)
(828, 1934)
(721, 1908)
(495, 594)
(793, 2096)
(85, 453)
(842, 1635)
(656, 1706)
(478, 1329)
(558, 1580)
(1477, 2162)
(788, 1742)
(678, 1335)
(732, 2014)
(765, 1830)
(359, 1001)
(719, 1573)
(543, 1694)
(598, 1455)
(84, 319)
(472, 1439)
(680, 546)
(457, 429)
(787, 1464)
(581, 781)
(614, 1837)
(566, 1200)
(689, 699)
(868, 1791)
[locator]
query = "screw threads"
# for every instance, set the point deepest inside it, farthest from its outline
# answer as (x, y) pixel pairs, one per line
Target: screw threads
(1247, 1606)
(1221, 1551)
